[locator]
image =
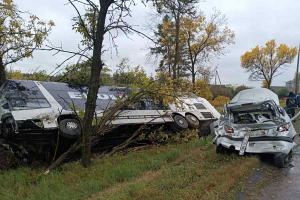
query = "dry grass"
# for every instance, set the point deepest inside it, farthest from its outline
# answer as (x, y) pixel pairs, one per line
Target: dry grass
(199, 173)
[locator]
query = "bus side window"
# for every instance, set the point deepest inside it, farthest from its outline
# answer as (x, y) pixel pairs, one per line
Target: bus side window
(17, 103)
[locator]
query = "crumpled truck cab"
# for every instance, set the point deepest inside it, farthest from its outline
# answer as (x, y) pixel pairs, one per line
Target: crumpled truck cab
(254, 122)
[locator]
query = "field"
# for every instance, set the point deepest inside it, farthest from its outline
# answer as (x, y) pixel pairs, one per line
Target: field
(182, 171)
(175, 171)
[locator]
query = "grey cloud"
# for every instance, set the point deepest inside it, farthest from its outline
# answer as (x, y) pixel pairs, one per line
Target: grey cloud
(253, 21)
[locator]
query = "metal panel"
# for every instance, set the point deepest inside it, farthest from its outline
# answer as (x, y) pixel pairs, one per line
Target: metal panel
(200, 106)
(207, 115)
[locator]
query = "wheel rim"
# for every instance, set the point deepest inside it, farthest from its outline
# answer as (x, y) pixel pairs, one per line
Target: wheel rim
(180, 121)
(71, 125)
(193, 118)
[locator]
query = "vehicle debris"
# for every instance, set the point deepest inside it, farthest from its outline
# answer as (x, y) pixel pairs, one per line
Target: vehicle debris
(39, 112)
(254, 122)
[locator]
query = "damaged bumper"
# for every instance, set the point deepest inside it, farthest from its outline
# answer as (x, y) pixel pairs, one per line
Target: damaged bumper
(264, 144)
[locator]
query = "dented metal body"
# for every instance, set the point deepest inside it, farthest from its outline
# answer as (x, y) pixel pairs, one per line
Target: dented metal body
(254, 122)
(34, 109)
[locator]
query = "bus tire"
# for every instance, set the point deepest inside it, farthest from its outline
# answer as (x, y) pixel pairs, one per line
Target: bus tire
(70, 128)
(193, 122)
(179, 124)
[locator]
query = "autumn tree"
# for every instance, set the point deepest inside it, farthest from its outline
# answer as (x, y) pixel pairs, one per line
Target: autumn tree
(165, 45)
(18, 38)
(265, 63)
(205, 38)
(100, 18)
(175, 10)
(202, 89)
(125, 75)
(264, 84)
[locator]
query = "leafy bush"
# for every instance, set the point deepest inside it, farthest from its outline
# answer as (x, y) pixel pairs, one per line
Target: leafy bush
(220, 100)
(161, 136)
(282, 93)
(221, 90)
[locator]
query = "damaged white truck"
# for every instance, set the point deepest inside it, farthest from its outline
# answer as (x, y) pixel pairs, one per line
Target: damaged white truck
(254, 122)
(36, 110)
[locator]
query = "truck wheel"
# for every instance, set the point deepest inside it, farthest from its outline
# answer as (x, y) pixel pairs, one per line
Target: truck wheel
(192, 121)
(179, 124)
(8, 127)
(282, 160)
(220, 149)
(70, 128)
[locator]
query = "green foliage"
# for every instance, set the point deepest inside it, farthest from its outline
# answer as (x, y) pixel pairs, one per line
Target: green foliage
(163, 137)
(183, 171)
(125, 75)
(220, 90)
(40, 75)
(238, 89)
(283, 93)
(14, 74)
(36, 75)
(19, 38)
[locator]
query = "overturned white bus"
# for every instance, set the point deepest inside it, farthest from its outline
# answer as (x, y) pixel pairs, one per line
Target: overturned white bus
(36, 110)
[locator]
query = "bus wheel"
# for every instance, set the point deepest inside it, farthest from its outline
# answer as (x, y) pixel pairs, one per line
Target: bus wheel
(192, 121)
(179, 124)
(70, 128)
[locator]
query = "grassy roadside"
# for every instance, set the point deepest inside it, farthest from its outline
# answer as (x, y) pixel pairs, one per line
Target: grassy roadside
(182, 171)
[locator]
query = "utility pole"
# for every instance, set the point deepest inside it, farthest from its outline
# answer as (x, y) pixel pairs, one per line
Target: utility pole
(219, 78)
(296, 86)
(216, 77)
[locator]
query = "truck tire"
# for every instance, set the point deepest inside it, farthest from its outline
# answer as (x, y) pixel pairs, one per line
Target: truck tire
(193, 122)
(70, 128)
(8, 127)
(282, 160)
(221, 150)
(179, 124)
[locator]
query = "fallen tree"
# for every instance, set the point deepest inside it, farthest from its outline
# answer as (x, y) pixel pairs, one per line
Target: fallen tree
(159, 91)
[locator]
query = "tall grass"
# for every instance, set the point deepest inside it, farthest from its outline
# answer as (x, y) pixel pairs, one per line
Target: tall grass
(187, 171)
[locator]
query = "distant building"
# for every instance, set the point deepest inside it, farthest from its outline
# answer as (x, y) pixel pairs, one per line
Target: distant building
(276, 89)
(290, 85)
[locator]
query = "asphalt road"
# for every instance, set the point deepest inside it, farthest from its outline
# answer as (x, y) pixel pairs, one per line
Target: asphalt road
(284, 186)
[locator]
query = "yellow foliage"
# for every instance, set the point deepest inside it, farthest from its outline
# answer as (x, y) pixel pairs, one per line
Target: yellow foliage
(263, 63)
(14, 74)
(220, 100)
(163, 89)
(202, 89)
(264, 84)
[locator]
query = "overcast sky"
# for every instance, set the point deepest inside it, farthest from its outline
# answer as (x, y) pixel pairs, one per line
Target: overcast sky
(253, 21)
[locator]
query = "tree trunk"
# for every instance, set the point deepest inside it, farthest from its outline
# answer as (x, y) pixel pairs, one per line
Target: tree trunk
(269, 84)
(177, 27)
(2, 72)
(93, 86)
(193, 78)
